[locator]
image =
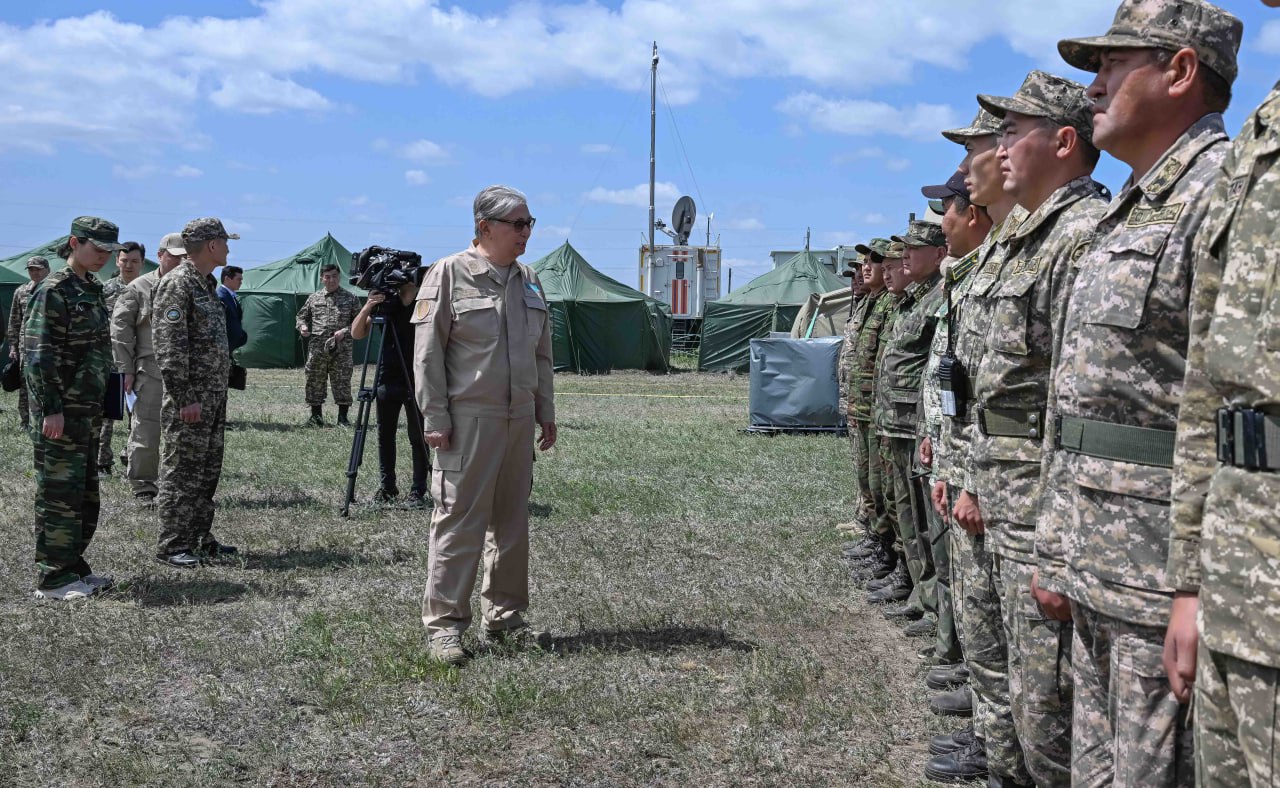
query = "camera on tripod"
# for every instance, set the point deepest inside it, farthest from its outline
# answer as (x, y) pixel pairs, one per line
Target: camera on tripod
(382, 270)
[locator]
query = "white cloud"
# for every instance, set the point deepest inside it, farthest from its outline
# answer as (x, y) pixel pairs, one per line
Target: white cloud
(874, 219)
(891, 163)
(636, 196)
(744, 224)
(861, 117)
(597, 148)
(133, 173)
(276, 57)
(355, 202)
(187, 171)
(555, 231)
(424, 152)
(1269, 38)
(416, 177)
(897, 165)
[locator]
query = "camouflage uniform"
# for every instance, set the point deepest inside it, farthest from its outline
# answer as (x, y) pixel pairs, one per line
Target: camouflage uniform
(986, 648)
(68, 356)
(1226, 534)
(942, 537)
(861, 385)
(887, 520)
(1104, 530)
(133, 349)
(324, 313)
(17, 339)
(191, 348)
(856, 407)
(110, 291)
(898, 382)
(1026, 304)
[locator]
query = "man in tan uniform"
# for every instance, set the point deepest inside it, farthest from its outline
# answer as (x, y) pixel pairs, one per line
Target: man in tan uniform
(482, 358)
(133, 351)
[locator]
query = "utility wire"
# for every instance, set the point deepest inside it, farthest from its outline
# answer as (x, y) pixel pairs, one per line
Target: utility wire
(688, 164)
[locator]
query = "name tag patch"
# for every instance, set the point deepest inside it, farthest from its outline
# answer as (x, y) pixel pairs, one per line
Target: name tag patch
(1143, 216)
(1235, 189)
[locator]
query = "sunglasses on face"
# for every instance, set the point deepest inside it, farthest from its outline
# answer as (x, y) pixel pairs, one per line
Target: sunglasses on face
(519, 225)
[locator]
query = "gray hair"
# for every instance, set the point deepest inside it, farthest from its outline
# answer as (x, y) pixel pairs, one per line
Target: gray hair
(496, 202)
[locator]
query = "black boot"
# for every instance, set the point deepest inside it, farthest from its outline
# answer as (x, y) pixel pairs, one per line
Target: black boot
(947, 677)
(342, 416)
(317, 416)
(963, 765)
(956, 703)
(950, 742)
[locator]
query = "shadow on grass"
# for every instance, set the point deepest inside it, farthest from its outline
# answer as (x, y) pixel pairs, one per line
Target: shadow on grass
(540, 509)
(293, 500)
(320, 558)
(265, 426)
(170, 592)
(653, 641)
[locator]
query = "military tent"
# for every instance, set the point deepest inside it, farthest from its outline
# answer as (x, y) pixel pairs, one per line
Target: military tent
(823, 315)
(598, 324)
(13, 270)
(769, 302)
(273, 293)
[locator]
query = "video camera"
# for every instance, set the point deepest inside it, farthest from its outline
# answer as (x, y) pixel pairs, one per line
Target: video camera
(382, 270)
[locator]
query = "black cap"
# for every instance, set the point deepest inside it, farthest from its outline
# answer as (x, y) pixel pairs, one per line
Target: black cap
(954, 187)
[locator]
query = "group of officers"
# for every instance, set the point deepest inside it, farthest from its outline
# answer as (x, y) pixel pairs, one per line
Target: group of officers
(1065, 415)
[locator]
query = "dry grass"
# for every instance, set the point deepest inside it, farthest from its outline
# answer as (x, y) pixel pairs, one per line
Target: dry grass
(707, 632)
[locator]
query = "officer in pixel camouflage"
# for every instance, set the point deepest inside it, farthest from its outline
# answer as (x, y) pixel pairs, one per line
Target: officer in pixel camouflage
(1164, 70)
(37, 270)
(191, 349)
(325, 322)
(68, 358)
(857, 446)
(129, 266)
(1224, 557)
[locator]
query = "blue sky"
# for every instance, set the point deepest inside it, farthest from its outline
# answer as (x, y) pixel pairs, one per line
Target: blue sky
(379, 120)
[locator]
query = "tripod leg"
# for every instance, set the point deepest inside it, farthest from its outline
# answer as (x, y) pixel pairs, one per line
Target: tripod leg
(362, 420)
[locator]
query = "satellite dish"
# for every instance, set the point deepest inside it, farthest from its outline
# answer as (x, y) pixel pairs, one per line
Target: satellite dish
(682, 217)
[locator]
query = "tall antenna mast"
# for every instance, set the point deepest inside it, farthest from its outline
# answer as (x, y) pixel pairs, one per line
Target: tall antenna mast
(653, 141)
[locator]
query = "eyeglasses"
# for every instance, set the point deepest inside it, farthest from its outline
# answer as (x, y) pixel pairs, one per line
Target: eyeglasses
(519, 225)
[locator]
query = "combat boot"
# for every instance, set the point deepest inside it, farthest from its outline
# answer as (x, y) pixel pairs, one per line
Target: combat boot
(343, 421)
(904, 611)
(950, 742)
(895, 592)
(317, 416)
(863, 548)
(964, 765)
(925, 626)
(893, 577)
(947, 677)
(956, 703)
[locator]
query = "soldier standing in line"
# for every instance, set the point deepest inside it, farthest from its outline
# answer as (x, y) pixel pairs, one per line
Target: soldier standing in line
(191, 349)
(1224, 559)
(965, 225)
(68, 357)
(325, 322)
(129, 265)
(133, 348)
(37, 270)
(875, 556)
(898, 392)
(1164, 76)
(857, 313)
(993, 748)
(1046, 157)
(482, 362)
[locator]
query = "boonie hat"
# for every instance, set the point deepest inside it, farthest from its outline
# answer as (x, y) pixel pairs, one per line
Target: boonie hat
(1045, 95)
(1213, 33)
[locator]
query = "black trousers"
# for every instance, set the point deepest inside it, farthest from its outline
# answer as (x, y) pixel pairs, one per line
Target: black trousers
(391, 398)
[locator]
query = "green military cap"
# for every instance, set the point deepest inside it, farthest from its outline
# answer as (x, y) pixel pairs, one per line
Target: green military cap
(1044, 95)
(1213, 33)
(102, 233)
(875, 252)
(37, 261)
(894, 250)
(922, 233)
(984, 125)
(205, 229)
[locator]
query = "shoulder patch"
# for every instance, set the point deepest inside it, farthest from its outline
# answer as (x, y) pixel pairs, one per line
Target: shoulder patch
(421, 310)
(1080, 249)
(1142, 216)
(173, 314)
(1169, 172)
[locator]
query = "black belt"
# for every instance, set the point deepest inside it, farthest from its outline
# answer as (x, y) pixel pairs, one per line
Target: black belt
(1248, 439)
(1007, 423)
(1138, 445)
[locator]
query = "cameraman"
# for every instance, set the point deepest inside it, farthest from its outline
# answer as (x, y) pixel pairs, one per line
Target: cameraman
(395, 390)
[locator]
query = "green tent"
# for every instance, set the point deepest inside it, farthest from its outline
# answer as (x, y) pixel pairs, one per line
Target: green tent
(273, 293)
(13, 271)
(770, 302)
(597, 323)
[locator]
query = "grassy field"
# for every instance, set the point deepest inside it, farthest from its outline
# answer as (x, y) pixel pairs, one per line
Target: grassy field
(707, 632)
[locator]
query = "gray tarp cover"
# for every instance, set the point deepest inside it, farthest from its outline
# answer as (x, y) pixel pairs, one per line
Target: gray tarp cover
(794, 383)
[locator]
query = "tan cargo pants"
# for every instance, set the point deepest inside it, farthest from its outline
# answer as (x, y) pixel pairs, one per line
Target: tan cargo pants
(144, 436)
(481, 490)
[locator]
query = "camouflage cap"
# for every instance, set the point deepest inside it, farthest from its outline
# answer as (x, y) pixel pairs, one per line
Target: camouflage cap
(172, 243)
(1213, 33)
(894, 250)
(1044, 95)
(102, 233)
(37, 261)
(205, 229)
(984, 125)
(922, 233)
(875, 252)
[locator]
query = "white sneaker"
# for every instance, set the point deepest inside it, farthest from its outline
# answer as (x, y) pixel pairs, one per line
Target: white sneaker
(99, 582)
(77, 590)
